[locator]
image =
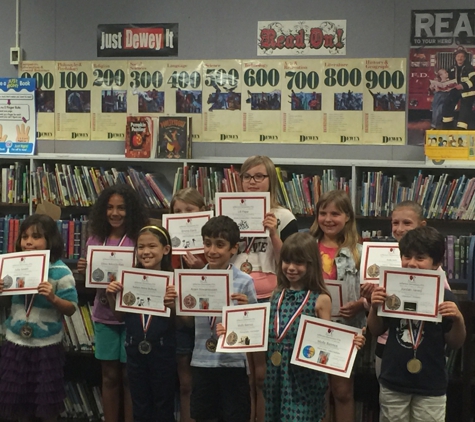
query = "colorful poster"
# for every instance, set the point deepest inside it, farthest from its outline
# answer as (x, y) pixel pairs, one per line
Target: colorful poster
(17, 116)
(384, 101)
(184, 92)
(146, 88)
(44, 73)
(342, 101)
(302, 38)
(302, 101)
(441, 72)
(261, 105)
(109, 100)
(137, 40)
(222, 117)
(73, 101)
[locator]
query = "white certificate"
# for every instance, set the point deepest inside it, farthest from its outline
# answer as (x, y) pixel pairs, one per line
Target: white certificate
(247, 328)
(325, 346)
(203, 292)
(412, 293)
(103, 264)
(335, 287)
(376, 255)
(22, 272)
(185, 231)
(247, 209)
(143, 291)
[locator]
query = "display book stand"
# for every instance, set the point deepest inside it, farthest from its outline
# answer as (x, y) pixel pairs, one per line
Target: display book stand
(374, 187)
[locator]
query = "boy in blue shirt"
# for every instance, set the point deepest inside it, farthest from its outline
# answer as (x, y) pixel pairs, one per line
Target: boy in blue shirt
(220, 387)
(411, 392)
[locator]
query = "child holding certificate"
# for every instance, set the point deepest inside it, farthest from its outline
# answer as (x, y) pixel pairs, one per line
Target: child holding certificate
(220, 382)
(413, 380)
(185, 201)
(115, 220)
(259, 257)
(31, 366)
(150, 341)
(337, 237)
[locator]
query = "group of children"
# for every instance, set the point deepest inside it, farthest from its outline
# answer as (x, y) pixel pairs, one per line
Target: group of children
(287, 269)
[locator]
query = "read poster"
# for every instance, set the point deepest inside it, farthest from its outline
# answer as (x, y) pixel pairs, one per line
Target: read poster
(44, 74)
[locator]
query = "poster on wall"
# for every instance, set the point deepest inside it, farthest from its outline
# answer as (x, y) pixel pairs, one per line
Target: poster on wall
(44, 74)
(384, 101)
(301, 38)
(301, 101)
(222, 116)
(73, 100)
(137, 40)
(441, 72)
(109, 100)
(262, 99)
(184, 92)
(17, 116)
(342, 101)
(146, 87)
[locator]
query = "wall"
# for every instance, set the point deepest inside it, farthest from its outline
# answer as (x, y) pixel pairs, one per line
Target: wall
(213, 29)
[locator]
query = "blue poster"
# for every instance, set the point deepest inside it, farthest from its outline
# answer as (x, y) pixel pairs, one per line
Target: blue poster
(17, 116)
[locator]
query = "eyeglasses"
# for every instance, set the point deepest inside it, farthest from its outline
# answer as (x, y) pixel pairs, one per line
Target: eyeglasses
(258, 178)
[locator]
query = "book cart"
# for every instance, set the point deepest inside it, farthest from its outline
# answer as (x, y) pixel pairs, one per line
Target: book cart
(73, 181)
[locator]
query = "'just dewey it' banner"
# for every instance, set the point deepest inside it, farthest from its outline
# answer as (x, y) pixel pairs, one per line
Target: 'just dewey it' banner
(137, 40)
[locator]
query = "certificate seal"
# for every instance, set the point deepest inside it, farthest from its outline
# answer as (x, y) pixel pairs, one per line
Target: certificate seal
(98, 275)
(7, 282)
(393, 302)
(373, 271)
(128, 299)
(232, 338)
(309, 352)
(189, 301)
(175, 242)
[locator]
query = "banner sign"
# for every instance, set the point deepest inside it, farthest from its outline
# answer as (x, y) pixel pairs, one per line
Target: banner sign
(17, 116)
(301, 38)
(441, 65)
(137, 40)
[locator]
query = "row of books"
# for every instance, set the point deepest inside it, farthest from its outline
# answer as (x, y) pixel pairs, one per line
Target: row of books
(73, 232)
(66, 185)
(297, 192)
(457, 258)
(15, 186)
(82, 402)
(441, 197)
(79, 330)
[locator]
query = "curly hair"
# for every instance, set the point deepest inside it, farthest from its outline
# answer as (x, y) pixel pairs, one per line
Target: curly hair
(135, 213)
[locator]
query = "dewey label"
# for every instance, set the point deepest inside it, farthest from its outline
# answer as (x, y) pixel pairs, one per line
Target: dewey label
(137, 39)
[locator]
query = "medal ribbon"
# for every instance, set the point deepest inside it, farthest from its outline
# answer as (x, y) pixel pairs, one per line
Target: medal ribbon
(120, 242)
(212, 320)
(280, 337)
(249, 243)
(28, 306)
(417, 342)
(145, 323)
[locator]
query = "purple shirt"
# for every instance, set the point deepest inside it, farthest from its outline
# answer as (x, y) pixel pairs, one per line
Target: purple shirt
(101, 312)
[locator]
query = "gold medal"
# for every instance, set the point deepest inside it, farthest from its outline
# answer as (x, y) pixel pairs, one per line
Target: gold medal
(211, 344)
(276, 359)
(26, 331)
(145, 347)
(414, 366)
(246, 267)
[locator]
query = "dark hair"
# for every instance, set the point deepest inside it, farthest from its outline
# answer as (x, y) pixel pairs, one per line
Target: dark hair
(135, 212)
(46, 227)
(302, 248)
(163, 237)
(423, 240)
(222, 226)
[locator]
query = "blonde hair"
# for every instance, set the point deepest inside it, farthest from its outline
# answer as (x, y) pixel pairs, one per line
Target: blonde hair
(414, 206)
(257, 160)
(348, 237)
(190, 196)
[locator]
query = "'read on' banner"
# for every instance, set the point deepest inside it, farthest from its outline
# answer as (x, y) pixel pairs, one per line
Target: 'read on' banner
(137, 40)
(441, 72)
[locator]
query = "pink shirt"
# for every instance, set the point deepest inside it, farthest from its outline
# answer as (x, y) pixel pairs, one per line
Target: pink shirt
(101, 311)
(328, 261)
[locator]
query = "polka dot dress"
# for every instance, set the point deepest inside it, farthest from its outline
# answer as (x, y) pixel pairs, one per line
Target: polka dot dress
(292, 393)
